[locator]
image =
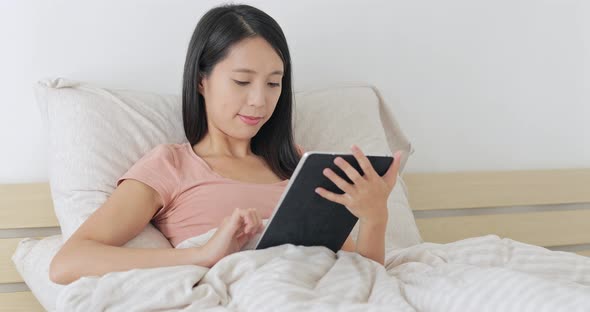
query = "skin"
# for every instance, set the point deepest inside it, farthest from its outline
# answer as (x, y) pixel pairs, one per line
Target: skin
(247, 83)
(96, 246)
(366, 198)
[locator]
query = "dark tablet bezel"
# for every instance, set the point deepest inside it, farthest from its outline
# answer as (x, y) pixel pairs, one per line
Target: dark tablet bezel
(310, 167)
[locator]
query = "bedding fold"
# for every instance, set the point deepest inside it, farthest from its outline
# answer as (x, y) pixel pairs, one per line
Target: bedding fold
(478, 274)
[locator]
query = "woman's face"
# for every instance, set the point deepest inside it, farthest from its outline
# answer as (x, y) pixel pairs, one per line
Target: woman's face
(247, 83)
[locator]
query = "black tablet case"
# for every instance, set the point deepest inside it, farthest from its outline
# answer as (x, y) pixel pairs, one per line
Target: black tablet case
(305, 218)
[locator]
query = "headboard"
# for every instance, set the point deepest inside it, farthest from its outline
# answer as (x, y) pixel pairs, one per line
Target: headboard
(549, 208)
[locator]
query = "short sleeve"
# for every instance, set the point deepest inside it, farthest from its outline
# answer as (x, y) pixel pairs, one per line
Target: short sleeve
(157, 169)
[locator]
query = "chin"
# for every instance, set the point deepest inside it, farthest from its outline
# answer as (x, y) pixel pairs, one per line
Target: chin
(245, 134)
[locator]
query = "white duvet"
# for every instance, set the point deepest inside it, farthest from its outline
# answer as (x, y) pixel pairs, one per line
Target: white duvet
(479, 274)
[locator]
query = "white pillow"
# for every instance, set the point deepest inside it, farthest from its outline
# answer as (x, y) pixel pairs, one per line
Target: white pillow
(33, 257)
(96, 134)
(334, 118)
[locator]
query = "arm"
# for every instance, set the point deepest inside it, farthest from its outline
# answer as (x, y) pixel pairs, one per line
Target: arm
(349, 244)
(371, 240)
(94, 249)
(366, 198)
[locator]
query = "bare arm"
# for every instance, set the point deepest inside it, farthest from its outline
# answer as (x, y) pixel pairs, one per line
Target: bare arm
(366, 198)
(349, 244)
(94, 249)
(370, 242)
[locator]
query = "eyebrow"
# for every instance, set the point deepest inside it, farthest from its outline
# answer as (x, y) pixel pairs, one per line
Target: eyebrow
(250, 71)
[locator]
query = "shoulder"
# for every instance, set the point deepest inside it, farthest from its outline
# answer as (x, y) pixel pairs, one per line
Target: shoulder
(158, 164)
(162, 153)
(163, 150)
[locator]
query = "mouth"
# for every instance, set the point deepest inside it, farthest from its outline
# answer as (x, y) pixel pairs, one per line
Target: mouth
(250, 120)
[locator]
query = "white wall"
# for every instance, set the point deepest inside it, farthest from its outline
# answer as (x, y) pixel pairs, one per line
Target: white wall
(476, 85)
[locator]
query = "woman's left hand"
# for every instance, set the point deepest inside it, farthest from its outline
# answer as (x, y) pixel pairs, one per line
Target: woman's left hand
(367, 197)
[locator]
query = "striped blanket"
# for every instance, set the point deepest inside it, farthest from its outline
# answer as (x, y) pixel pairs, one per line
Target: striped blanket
(478, 274)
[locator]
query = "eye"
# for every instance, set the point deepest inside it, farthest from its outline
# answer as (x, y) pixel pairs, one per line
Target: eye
(241, 83)
(274, 85)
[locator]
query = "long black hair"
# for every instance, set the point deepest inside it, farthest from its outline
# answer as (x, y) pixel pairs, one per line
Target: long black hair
(216, 32)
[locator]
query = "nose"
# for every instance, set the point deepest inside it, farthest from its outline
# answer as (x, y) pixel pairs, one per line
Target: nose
(257, 97)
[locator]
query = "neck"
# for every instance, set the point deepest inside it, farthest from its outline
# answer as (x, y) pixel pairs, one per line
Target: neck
(224, 146)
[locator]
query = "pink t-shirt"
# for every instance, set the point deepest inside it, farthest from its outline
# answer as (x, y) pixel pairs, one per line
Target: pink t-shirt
(195, 198)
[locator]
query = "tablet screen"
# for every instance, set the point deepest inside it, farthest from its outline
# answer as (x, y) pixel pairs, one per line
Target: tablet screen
(303, 217)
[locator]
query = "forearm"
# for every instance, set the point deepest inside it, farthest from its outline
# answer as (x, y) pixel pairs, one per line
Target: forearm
(90, 258)
(370, 242)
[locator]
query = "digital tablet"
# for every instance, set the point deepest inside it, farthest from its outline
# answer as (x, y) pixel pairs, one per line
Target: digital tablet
(303, 217)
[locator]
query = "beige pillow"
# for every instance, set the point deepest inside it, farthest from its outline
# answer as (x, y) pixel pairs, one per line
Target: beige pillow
(96, 134)
(335, 117)
(332, 119)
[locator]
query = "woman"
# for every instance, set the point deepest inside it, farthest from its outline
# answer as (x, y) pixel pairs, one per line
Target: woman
(237, 111)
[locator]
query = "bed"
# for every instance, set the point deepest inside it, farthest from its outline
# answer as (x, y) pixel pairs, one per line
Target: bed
(549, 208)
(449, 235)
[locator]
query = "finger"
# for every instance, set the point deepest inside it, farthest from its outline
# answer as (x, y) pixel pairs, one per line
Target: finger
(247, 217)
(390, 176)
(242, 240)
(234, 219)
(260, 228)
(245, 220)
(337, 198)
(352, 174)
(254, 218)
(258, 221)
(364, 162)
(341, 183)
(240, 227)
(263, 226)
(236, 213)
(242, 233)
(265, 222)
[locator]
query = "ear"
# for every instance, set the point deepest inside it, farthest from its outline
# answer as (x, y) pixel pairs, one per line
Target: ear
(201, 85)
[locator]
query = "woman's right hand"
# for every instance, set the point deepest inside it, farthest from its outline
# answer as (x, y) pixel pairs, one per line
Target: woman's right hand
(232, 234)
